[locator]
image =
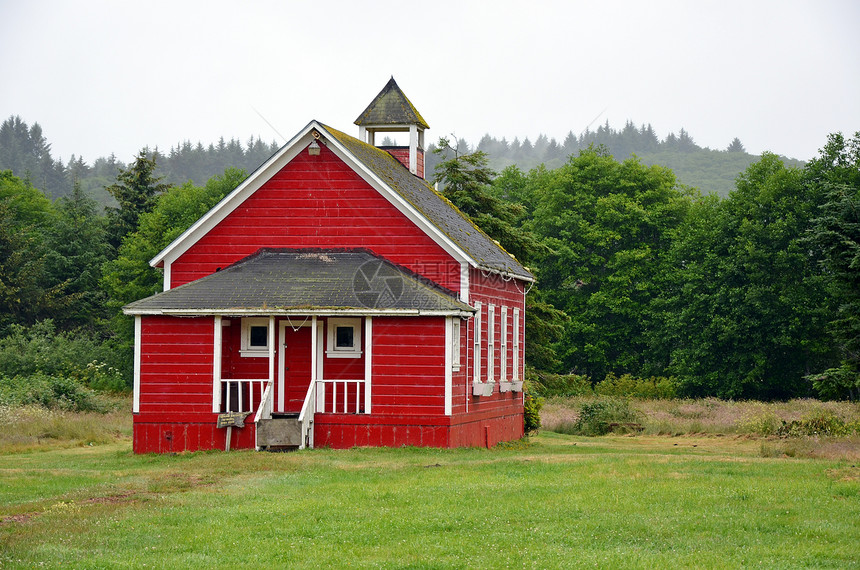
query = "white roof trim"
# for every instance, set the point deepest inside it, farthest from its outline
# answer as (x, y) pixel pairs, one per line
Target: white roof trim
(268, 169)
(301, 312)
(234, 199)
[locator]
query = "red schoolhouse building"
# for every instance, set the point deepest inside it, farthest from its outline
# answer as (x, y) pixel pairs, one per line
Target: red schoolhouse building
(334, 298)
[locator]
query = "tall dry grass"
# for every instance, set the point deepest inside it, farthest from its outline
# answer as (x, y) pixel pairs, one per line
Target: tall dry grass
(29, 427)
(710, 416)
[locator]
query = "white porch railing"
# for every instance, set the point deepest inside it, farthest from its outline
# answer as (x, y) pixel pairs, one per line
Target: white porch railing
(340, 396)
(306, 417)
(229, 385)
(264, 411)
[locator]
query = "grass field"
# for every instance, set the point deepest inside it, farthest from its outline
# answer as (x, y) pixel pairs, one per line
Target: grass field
(552, 501)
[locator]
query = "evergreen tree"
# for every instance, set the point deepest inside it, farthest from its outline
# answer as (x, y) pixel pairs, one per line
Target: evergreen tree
(135, 190)
(77, 248)
(736, 146)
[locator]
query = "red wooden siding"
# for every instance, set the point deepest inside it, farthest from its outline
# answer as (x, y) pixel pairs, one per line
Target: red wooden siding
(176, 365)
(489, 289)
(317, 201)
(176, 388)
(408, 366)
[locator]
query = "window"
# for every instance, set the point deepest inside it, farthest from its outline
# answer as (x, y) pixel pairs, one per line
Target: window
(344, 338)
(516, 359)
(255, 337)
(477, 343)
(455, 344)
(491, 343)
(503, 352)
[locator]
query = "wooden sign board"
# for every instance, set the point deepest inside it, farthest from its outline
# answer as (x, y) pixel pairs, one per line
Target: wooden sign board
(231, 419)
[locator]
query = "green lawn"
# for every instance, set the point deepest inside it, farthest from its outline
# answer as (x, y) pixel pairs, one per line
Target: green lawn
(557, 501)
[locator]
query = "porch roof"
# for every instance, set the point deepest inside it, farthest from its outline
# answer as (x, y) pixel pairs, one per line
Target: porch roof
(308, 281)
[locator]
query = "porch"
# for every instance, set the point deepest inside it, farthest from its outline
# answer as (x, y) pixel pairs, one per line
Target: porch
(283, 403)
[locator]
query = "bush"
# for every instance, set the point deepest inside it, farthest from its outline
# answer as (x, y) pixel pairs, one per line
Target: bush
(653, 388)
(531, 408)
(603, 416)
(841, 383)
(40, 349)
(51, 392)
(819, 423)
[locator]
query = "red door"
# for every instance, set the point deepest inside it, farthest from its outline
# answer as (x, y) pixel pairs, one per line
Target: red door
(297, 367)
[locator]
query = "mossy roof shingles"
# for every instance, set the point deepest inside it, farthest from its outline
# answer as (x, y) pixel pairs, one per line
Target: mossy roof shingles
(391, 107)
(276, 281)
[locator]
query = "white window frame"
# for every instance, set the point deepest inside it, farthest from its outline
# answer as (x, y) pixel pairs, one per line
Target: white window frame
(503, 352)
(246, 349)
(455, 344)
(491, 343)
(334, 351)
(477, 344)
(516, 363)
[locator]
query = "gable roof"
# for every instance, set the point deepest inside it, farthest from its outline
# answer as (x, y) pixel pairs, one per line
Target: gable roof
(309, 281)
(391, 107)
(412, 195)
(436, 208)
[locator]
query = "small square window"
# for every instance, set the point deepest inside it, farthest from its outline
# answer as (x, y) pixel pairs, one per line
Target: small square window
(344, 338)
(259, 337)
(255, 336)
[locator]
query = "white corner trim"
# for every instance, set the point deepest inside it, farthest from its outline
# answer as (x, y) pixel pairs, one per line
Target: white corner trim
(216, 365)
(464, 281)
(166, 286)
(449, 364)
(368, 363)
(138, 329)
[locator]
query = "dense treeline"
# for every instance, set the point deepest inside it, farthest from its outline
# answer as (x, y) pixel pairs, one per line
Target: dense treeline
(711, 171)
(26, 152)
(755, 295)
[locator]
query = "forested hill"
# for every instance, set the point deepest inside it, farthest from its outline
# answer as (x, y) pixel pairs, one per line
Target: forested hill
(711, 171)
(25, 151)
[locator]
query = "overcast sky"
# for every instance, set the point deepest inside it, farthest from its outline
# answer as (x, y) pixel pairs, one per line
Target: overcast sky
(104, 76)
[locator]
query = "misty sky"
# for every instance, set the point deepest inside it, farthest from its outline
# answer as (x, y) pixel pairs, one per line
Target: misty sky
(116, 76)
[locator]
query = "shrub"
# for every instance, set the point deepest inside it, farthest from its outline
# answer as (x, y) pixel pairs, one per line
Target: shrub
(653, 388)
(819, 423)
(41, 349)
(841, 383)
(603, 416)
(51, 392)
(531, 407)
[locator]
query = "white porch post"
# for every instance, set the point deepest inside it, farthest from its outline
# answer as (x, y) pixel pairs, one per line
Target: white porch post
(272, 349)
(368, 364)
(216, 365)
(138, 328)
(318, 371)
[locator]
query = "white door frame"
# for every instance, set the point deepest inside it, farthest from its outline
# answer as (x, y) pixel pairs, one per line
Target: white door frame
(282, 337)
